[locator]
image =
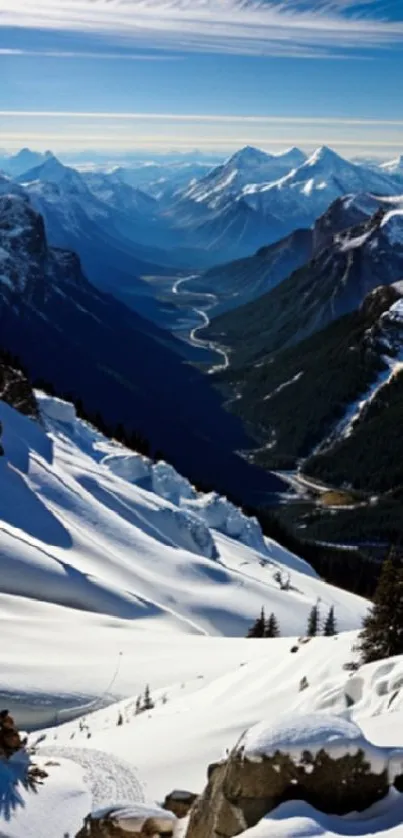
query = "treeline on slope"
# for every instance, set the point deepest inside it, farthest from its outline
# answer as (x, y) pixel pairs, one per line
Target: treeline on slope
(134, 440)
(269, 627)
(377, 523)
(382, 632)
(351, 570)
(297, 396)
(372, 457)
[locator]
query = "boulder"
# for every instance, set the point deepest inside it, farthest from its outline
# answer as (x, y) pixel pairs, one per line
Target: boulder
(179, 802)
(321, 759)
(133, 821)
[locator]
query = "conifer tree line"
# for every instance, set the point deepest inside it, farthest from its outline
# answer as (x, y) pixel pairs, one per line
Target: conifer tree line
(269, 627)
(382, 630)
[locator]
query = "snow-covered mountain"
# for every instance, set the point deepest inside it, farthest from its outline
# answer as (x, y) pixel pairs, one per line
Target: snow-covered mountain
(393, 167)
(162, 180)
(24, 160)
(119, 363)
(155, 536)
(306, 192)
(248, 165)
(112, 190)
(244, 280)
(286, 192)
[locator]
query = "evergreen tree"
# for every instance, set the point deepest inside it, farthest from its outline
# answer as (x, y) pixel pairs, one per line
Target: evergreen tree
(148, 702)
(272, 628)
(382, 631)
(258, 628)
(313, 621)
(330, 627)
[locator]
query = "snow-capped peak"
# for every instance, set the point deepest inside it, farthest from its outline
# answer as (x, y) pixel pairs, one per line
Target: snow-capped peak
(325, 156)
(393, 167)
(293, 155)
(53, 171)
(249, 156)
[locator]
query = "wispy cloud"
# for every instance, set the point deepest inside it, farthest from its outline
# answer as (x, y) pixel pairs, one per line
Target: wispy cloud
(214, 118)
(295, 27)
(112, 56)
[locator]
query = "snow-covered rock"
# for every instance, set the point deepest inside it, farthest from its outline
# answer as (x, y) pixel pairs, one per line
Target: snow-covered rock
(322, 759)
(137, 819)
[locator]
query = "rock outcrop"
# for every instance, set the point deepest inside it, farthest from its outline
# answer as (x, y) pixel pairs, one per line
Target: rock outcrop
(135, 821)
(15, 388)
(179, 802)
(321, 759)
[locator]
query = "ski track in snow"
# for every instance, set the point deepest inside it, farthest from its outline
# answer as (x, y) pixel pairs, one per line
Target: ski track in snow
(202, 313)
(109, 779)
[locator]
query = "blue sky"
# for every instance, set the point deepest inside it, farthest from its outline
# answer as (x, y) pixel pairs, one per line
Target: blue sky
(118, 75)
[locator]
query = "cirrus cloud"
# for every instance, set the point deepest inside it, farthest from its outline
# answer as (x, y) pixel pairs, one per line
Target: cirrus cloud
(296, 27)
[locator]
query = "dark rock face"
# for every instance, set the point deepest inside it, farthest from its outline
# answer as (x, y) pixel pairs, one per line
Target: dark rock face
(15, 389)
(378, 301)
(241, 792)
(179, 802)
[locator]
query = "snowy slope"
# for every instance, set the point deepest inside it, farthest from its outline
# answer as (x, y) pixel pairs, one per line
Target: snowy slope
(76, 533)
(117, 574)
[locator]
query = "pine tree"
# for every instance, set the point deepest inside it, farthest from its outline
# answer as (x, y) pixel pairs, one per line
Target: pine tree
(139, 707)
(148, 702)
(258, 628)
(382, 630)
(272, 628)
(313, 621)
(330, 627)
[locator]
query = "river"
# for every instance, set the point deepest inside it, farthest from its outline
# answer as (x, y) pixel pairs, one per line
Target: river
(204, 321)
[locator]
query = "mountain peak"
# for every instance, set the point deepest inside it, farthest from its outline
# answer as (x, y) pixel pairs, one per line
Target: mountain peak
(53, 171)
(250, 156)
(394, 166)
(323, 154)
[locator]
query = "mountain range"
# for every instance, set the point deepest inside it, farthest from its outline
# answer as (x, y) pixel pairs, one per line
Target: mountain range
(267, 303)
(182, 215)
(315, 365)
(86, 343)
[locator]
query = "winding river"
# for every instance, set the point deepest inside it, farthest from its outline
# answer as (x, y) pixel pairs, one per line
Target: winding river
(204, 320)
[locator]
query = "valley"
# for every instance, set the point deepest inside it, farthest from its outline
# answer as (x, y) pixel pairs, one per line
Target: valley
(201, 496)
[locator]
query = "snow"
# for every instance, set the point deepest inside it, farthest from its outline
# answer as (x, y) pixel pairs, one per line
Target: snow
(353, 243)
(311, 732)
(56, 809)
(297, 819)
(393, 222)
(108, 586)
